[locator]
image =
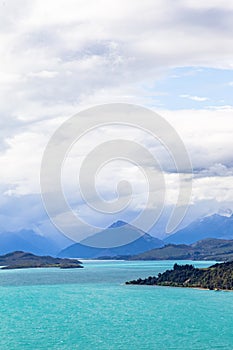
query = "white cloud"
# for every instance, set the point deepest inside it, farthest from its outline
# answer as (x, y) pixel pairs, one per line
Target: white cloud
(57, 57)
(195, 98)
(66, 53)
(221, 107)
(43, 74)
(207, 135)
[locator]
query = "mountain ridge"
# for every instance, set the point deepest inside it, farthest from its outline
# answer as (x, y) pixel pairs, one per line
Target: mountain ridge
(207, 249)
(111, 239)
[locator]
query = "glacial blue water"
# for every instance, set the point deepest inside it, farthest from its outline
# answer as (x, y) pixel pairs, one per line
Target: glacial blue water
(91, 308)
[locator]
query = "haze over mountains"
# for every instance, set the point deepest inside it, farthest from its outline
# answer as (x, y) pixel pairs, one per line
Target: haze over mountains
(102, 243)
(33, 242)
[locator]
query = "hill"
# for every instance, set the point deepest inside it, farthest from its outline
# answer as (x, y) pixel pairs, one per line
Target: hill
(214, 226)
(207, 249)
(110, 241)
(22, 260)
(218, 276)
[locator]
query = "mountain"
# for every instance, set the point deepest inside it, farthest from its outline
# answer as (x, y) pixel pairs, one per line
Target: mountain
(214, 226)
(22, 260)
(207, 249)
(118, 223)
(30, 241)
(110, 241)
(218, 276)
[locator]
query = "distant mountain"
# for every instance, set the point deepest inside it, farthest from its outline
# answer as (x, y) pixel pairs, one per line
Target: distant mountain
(214, 226)
(207, 249)
(29, 241)
(111, 241)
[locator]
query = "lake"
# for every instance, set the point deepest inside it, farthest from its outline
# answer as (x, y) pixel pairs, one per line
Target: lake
(91, 308)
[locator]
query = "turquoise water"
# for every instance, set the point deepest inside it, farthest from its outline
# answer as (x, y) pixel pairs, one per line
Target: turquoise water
(91, 308)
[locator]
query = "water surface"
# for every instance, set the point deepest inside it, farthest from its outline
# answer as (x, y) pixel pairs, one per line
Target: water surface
(91, 308)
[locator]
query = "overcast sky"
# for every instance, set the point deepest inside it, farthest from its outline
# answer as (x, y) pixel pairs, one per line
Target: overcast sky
(59, 57)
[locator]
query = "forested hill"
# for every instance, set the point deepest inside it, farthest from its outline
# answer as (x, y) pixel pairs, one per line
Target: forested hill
(218, 276)
(207, 249)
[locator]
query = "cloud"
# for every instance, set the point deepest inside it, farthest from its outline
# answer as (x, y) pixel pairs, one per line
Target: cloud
(62, 53)
(59, 57)
(43, 74)
(211, 159)
(221, 107)
(214, 154)
(207, 135)
(195, 98)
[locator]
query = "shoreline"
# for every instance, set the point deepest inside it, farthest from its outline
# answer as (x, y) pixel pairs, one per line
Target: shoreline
(197, 288)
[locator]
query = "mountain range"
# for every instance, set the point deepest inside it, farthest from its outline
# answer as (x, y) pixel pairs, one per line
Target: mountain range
(214, 226)
(110, 242)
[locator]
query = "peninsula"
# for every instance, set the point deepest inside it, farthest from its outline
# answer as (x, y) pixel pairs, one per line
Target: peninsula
(23, 260)
(218, 276)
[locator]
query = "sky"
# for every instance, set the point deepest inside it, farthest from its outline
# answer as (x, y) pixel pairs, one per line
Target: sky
(58, 58)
